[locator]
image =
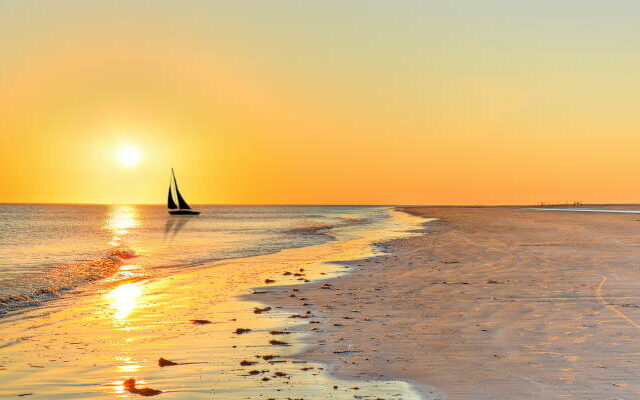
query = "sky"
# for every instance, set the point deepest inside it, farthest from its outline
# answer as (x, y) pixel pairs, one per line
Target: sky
(320, 102)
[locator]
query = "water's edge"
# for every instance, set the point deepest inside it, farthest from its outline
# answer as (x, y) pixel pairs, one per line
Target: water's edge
(378, 250)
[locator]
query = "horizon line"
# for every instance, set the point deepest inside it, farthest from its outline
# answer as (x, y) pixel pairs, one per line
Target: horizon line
(314, 204)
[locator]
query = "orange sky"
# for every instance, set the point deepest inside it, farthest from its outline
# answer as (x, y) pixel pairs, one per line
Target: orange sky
(336, 102)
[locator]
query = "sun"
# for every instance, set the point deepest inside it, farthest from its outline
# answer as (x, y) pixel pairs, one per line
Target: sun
(128, 156)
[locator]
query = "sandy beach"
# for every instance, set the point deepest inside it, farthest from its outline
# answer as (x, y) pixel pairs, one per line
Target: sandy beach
(490, 303)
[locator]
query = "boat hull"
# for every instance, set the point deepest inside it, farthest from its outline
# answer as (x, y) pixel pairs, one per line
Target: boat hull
(184, 212)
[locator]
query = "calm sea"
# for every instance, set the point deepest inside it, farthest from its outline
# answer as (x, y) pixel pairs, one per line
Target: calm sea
(47, 250)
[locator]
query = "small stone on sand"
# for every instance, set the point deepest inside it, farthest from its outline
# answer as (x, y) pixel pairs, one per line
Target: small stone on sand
(200, 321)
(163, 362)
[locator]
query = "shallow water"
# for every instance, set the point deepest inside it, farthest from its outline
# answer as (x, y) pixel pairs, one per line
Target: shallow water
(47, 249)
(88, 341)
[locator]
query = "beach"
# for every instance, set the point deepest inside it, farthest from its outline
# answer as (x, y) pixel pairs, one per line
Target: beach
(494, 303)
(427, 303)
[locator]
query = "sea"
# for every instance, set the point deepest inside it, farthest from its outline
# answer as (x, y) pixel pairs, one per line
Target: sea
(50, 250)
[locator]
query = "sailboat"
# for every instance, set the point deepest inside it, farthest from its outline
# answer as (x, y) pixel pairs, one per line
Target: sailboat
(182, 208)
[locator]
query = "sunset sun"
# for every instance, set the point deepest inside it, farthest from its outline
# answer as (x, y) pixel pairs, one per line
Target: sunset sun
(128, 156)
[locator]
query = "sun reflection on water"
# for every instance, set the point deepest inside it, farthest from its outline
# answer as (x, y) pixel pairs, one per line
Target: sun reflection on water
(124, 299)
(128, 364)
(120, 220)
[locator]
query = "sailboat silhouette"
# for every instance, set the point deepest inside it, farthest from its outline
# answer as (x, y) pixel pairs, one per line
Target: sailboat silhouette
(182, 208)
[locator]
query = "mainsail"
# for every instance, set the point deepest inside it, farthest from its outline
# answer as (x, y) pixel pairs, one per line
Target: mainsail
(181, 202)
(170, 203)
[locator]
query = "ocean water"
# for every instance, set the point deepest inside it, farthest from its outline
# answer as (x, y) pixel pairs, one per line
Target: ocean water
(49, 250)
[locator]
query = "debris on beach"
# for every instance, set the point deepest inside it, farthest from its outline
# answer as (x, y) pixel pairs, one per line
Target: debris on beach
(492, 281)
(287, 273)
(163, 362)
(254, 372)
(240, 331)
(258, 310)
(260, 291)
(280, 374)
(278, 342)
(299, 316)
(326, 286)
(269, 357)
(200, 321)
(130, 386)
(245, 363)
(269, 281)
(279, 333)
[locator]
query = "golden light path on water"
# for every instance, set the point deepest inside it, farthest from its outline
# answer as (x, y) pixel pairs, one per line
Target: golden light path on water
(120, 220)
(125, 297)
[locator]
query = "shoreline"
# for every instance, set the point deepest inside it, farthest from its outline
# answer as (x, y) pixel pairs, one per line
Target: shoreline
(282, 296)
(380, 249)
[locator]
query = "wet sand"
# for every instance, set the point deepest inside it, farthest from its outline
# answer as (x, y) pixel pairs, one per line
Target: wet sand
(88, 346)
(491, 303)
